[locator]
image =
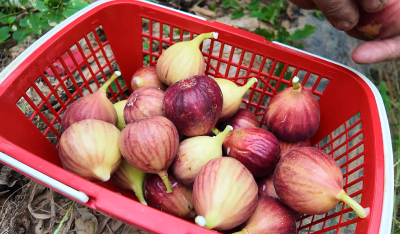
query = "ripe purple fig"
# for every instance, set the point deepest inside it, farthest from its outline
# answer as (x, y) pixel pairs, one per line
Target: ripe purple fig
(270, 216)
(178, 203)
(89, 149)
(194, 153)
(150, 145)
(242, 119)
(92, 106)
(194, 105)
(233, 96)
(144, 102)
(224, 194)
(182, 60)
(293, 114)
(288, 146)
(266, 186)
(255, 147)
(146, 77)
(309, 181)
(129, 177)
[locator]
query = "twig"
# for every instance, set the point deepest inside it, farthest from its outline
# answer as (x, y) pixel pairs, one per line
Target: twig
(63, 219)
(5, 16)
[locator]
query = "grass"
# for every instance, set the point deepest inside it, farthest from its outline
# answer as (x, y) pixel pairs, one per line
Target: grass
(389, 88)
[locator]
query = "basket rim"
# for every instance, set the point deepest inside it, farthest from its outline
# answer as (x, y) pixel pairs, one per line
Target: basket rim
(388, 193)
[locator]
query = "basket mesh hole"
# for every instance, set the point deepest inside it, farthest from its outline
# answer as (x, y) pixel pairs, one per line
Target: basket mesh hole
(92, 40)
(227, 51)
(267, 66)
(353, 176)
(322, 85)
(93, 65)
(356, 140)
(176, 35)
(238, 52)
(311, 81)
(356, 163)
(356, 129)
(156, 29)
(339, 143)
(243, 72)
(40, 124)
(222, 69)
(338, 131)
(34, 96)
(357, 151)
(279, 69)
(25, 107)
(100, 33)
(216, 48)
(156, 47)
(145, 25)
(324, 141)
(301, 74)
(146, 44)
(316, 226)
(351, 228)
(54, 138)
(257, 62)
(186, 36)
(332, 222)
(247, 59)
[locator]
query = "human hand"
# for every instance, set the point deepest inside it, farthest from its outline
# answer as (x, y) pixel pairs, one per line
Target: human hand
(344, 15)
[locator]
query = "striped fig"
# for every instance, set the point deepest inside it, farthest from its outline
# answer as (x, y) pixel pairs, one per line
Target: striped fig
(288, 146)
(146, 77)
(242, 119)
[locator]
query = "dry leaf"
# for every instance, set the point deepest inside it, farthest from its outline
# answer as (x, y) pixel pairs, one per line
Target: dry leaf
(246, 22)
(209, 15)
(83, 226)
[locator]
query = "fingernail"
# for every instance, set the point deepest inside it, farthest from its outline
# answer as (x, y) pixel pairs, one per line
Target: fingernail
(343, 25)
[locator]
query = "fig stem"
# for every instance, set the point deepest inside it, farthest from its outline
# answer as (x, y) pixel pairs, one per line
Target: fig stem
(200, 38)
(201, 221)
(222, 135)
(139, 81)
(215, 131)
(361, 212)
(166, 182)
(295, 82)
(249, 84)
(140, 196)
(108, 82)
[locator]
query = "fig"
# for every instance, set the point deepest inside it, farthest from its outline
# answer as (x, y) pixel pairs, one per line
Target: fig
(194, 105)
(242, 119)
(288, 146)
(182, 60)
(256, 148)
(233, 96)
(129, 177)
(293, 114)
(150, 145)
(309, 181)
(89, 149)
(270, 216)
(194, 153)
(179, 203)
(119, 107)
(381, 24)
(224, 194)
(146, 77)
(92, 106)
(144, 102)
(266, 186)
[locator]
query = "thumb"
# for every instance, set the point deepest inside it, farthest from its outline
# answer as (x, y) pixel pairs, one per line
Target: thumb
(377, 51)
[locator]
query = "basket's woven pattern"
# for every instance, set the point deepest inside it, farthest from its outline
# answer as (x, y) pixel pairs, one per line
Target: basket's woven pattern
(85, 66)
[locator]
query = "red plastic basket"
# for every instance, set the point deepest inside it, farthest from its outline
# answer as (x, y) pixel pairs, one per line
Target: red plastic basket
(354, 128)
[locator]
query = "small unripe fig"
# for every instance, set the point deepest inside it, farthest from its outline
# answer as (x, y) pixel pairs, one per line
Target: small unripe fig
(119, 107)
(293, 114)
(146, 77)
(233, 96)
(194, 153)
(89, 148)
(194, 105)
(150, 145)
(129, 177)
(242, 119)
(256, 148)
(224, 194)
(92, 106)
(309, 181)
(178, 203)
(270, 216)
(182, 60)
(143, 103)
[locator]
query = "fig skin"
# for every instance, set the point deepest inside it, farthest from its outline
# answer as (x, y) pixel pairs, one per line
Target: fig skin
(182, 60)
(266, 186)
(119, 107)
(194, 105)
(288, 146)
(270, 216)
(256, 148)
(178, 203)
(194, 153)
(146, 77)
(309, 181)
(131, 178)
(144, 102)
(242, 119)
(381, 24)
(224, 179)
(89, 149)
(150, 145)
(293, 114)
(92, 106)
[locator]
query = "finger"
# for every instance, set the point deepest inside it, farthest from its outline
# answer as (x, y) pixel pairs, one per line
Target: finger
(372, 5)
(377, 51)
(305, 4)
(354, 32)
(342, 14)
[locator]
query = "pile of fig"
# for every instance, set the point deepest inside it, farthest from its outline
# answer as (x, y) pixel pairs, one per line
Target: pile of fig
(184, 146)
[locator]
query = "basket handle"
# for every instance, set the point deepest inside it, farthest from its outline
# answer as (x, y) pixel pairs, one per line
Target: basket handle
(50, 182)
